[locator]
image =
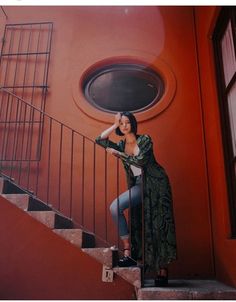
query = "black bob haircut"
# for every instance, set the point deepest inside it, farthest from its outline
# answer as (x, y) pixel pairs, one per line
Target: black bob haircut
(132, 120)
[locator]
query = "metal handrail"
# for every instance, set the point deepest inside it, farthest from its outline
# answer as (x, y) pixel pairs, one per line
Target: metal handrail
(41, 111)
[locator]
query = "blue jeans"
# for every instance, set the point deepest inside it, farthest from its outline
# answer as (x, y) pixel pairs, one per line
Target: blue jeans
(130, 198)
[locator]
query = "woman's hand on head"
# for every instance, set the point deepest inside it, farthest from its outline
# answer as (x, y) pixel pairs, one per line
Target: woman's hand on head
(113, 151)
(117, 119)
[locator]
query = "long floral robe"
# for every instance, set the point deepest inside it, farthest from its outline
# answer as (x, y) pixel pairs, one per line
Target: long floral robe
(159, 228)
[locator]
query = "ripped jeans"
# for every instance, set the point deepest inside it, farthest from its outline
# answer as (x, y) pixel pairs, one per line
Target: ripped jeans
(131, 198)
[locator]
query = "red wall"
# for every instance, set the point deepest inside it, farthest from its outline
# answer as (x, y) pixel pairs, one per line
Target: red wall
(38, 264)
(164, 38)
(224, 247)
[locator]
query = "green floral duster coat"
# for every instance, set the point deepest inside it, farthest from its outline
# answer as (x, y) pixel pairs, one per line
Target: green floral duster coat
(159, 228)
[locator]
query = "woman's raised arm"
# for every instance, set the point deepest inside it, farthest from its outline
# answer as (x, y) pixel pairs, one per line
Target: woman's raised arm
(103, 140)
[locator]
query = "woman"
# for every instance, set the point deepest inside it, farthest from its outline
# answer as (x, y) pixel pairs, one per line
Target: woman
(136, 153)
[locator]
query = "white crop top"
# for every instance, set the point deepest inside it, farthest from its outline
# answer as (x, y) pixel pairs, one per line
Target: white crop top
(136, 171)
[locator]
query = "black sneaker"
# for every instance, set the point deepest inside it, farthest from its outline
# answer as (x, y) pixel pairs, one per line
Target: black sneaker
(126, 262)
(161, 281)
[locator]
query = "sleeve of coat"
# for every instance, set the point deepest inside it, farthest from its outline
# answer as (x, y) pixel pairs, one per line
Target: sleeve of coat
(145, 150)
(106, 143)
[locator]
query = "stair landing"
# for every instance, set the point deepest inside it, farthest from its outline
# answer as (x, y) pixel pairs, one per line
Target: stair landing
(188, 290)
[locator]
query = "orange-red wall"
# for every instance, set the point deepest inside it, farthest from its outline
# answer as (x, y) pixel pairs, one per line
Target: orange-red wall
(38, 264)
(224, 246)
(159, 36)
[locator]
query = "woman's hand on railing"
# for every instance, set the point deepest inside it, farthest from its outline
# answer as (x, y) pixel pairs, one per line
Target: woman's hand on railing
(113, 151)
(121, 155)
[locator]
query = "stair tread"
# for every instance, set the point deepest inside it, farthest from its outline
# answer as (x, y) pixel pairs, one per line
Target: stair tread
(201, 285)
(68, 230)
(101, 249)
(14, 194)
(131, 274)
(20, 200)
(78, 237)
(43, 212)
(129, 268)
(187, 289)
(45, 217)
(71, 231)
(104, 255)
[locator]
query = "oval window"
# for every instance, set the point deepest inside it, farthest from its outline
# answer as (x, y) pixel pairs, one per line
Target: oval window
(123, 87)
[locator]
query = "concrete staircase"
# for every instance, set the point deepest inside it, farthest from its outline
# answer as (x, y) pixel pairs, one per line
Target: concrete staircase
(62, 226)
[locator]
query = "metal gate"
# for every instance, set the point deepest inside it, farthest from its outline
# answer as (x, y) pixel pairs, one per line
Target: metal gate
(24, 66)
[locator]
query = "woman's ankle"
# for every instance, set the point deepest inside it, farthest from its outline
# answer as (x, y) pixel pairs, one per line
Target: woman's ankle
(126, 251)
(126, 245)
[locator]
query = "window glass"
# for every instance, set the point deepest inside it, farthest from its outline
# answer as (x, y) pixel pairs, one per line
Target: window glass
(224, 45)
(232, 115)
(123, 87)
(228, 54)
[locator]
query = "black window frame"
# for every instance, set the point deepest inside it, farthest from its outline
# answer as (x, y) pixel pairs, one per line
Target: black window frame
(226, 14)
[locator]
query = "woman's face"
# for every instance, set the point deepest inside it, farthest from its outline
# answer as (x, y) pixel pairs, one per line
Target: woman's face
(125, 125)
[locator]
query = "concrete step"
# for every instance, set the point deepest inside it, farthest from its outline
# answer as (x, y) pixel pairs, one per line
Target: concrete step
(1, 184)
(130, 274)
(62, 222)
(77, 237)
(38, 205)
(106, 256)
(7, 187)
(187, 290)
(45, 217)
(20, 200)
(26, 203)
(109, 258)
(52, 220)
